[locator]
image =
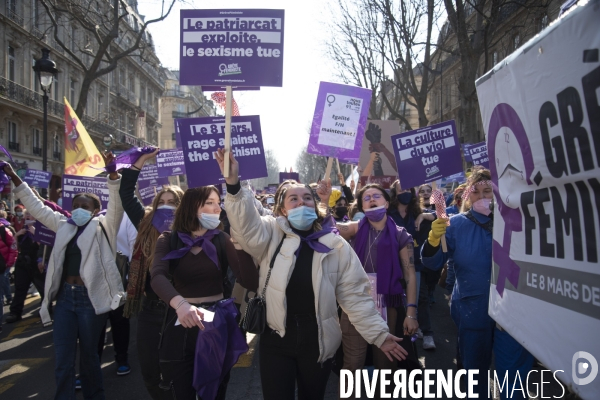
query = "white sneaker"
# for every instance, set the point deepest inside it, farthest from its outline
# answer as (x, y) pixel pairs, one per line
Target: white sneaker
(428, 343)
(419, 334)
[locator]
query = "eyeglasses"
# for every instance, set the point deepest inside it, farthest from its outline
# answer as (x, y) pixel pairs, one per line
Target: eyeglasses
(375, 196)
(424, 191)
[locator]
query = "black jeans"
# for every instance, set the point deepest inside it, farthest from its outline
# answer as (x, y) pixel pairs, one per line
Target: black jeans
(120, 334)
(423, 310)
(285, 361)
(149, 325)
(25, 275)
(177, 355)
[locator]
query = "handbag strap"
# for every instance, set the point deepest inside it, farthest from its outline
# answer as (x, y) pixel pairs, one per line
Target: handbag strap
(488, 226)
(264, 292)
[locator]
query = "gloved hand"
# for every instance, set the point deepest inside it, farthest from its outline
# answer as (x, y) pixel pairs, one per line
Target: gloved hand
(438, 229)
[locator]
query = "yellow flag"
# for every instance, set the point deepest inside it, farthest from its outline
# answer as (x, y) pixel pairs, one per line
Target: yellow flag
(80, 151)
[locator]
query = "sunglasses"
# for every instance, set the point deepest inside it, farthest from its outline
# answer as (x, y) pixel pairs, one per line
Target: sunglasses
(375, 196)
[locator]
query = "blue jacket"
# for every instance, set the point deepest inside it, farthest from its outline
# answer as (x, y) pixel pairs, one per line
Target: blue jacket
(452, 210)
(471, 248)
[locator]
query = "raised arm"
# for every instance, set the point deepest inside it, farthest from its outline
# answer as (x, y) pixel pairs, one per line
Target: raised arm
(131, 204)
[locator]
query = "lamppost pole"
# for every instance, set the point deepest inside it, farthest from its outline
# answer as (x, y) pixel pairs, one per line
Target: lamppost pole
(46, 71)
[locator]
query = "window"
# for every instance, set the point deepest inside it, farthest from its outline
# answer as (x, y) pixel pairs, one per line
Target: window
(142, 91)
(36, 143)
(516, 41)
(72, 92)
(11, 63)
(100, 104)
(11, 6)
(35, 13)
(122, 76)
(56, 147)
(56, 86)
(73, 36)
(13, 139)
(131, 82)
(495, 58)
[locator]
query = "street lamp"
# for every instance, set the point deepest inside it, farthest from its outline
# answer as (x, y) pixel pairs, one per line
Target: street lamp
(46, 71)
(107, 141)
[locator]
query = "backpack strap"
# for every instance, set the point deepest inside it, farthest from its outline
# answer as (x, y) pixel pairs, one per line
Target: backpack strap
(488, 226)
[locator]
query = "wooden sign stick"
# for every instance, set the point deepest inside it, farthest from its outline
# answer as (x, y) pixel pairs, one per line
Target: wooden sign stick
(443, 238)
(228, 102)
(329, 166)
(337, 162)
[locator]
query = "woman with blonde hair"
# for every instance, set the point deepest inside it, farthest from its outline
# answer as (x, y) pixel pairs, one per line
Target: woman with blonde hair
(304, 269)
(150, 222)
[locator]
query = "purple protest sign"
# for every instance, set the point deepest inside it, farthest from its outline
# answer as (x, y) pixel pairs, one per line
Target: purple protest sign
(148, 193)
(201, 137)
(289, 175)
(466, 153)
(43, 235)
(271, 189)
(427, 154)
(73, 184)
(37, 178)
(223, 88)
(170, 163)
(338, 126)
(479, 154)
(231, 47)
(149, 177)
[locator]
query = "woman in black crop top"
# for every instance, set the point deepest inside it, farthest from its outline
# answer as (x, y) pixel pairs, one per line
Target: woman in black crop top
(190, 264)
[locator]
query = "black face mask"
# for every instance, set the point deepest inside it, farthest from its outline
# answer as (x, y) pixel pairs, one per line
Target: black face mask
(405, 198)
(341, 211)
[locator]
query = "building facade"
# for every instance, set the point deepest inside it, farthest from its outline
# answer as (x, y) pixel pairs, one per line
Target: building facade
(123, 103)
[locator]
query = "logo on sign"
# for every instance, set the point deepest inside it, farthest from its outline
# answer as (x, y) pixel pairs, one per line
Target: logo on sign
(230, 69)
(176, 170)
(432, 171)
(582, 368)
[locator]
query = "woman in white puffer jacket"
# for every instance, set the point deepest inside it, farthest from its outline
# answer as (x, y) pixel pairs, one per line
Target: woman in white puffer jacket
(313, 268)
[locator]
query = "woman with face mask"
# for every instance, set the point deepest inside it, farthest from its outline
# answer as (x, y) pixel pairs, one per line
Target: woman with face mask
(312, 269)
(469, 241)
(17, 220)
(26, 269)
(386, 254)
(339, 211)
(142, 301)
(425, 194)
(196, 254)
(83, 279)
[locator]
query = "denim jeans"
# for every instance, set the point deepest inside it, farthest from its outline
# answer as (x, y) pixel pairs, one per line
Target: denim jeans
(75, 317)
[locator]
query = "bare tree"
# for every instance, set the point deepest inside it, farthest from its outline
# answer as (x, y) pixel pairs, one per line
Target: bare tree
(272, 170)
(368, 39)
(105, 26)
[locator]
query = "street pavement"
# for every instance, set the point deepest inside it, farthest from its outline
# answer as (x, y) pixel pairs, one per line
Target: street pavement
(27, 360)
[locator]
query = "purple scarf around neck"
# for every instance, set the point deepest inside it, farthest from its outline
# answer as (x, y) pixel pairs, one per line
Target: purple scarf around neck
(312, 240)
(389, 272)
(203, 241)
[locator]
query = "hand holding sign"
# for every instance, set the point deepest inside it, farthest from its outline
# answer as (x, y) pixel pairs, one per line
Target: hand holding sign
(234, 166)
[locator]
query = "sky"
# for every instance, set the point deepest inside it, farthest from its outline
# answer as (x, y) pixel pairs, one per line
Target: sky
(286, 112)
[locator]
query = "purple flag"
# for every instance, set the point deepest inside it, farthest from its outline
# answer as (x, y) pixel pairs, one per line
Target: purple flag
(170, 163)
(339, 122)
(37, 178)
(73, 184)
(127, 158)
(201, 137)
(427, 154)
(231, 47)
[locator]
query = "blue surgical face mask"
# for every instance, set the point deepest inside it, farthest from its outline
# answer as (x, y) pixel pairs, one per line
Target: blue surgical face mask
(358, 216)
(302, 217)
(209, 221)
(81, 216)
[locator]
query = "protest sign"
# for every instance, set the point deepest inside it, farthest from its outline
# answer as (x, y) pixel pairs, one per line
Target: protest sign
(427, 154)
(149, 177)
(201, 137)
(539, 108)
(377, 153)
(37, 178)
(147, 193)
(170, 163)
(384, 180)
(466, 152)
(289, 175)
(73, 184)
(223, 88)
(231, 47)
(339, 121)
(43, 235)
(479, 154)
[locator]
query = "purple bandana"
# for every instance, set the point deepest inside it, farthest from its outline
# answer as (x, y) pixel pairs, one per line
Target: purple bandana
(163, 219)
(312, 240)
(4, 222)
(375, 215)
(389, 273)
(128, 158)
(218, 348)
(203, 241)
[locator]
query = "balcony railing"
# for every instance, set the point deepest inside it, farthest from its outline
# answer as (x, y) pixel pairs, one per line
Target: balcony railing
(15, 17)
(56, 155)
(29, 98)
(13, 146)
(37, 151)
(152, 112)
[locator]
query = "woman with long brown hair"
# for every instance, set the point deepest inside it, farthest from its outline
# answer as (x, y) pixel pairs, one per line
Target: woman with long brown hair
(188, 273)
(141, 299)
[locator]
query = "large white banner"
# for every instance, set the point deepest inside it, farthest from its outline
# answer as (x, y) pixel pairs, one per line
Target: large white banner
(540, 109)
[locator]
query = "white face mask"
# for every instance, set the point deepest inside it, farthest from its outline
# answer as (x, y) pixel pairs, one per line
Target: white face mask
(209, 221)
(166, 207)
